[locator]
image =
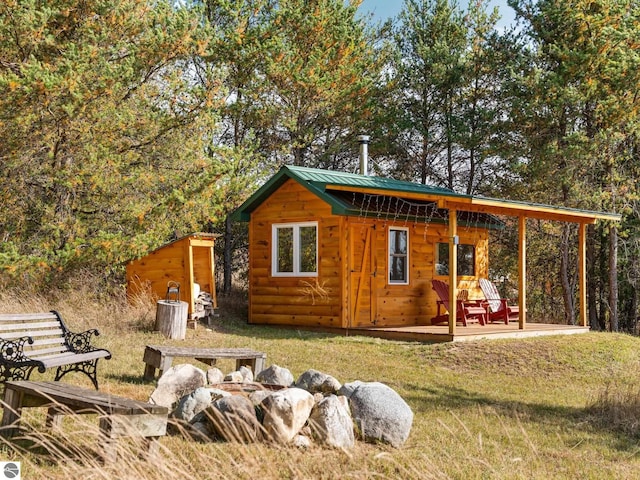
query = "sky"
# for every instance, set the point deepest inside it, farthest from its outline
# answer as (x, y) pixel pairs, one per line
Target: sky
(383, 9)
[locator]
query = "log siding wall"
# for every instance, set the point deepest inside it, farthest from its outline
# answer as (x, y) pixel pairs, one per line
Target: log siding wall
(329, 300)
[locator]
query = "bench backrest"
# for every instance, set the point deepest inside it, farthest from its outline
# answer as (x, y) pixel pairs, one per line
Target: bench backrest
(46, 329)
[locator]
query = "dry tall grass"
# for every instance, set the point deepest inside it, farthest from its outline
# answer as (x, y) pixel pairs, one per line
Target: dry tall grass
(499, 409)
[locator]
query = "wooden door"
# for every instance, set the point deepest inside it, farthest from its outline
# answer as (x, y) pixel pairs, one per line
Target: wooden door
(362, 271)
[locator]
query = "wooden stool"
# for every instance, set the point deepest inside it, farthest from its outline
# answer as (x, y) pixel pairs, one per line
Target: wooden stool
(161, 357)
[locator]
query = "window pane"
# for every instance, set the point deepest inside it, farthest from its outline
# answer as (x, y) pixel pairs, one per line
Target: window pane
(398, 269)
(308, 244)
(398, 243)
(466, 260)
(285, 249)
(442, 259)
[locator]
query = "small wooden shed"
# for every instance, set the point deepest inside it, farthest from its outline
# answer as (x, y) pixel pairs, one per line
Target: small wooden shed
(335, 250)
(188, 261)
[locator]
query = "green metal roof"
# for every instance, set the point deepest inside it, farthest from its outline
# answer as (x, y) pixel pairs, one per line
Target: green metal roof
(320, 182)
(317, 180)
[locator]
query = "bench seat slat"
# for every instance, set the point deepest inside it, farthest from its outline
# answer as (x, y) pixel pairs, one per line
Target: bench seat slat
(4, 327)
(32, 334)
(35, 354)
(10, 317)
(43, 342)
(68, 358)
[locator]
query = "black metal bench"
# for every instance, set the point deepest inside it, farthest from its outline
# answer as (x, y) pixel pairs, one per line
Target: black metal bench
(41, 341)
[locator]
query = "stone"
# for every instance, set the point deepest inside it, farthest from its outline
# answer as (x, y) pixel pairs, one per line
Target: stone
(330, 385)
(275, 375)
(176, 382)
(331, 422)
(200, 430)
(192, 404)
(314, 381)
(301, 442)
(235, 377)
(247, 374)
(258, 396)
(285, 413)
(214, 375)
(234, 419)
(379, 413)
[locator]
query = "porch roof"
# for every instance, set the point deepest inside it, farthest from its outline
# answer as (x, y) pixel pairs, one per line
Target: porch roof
(325, 184)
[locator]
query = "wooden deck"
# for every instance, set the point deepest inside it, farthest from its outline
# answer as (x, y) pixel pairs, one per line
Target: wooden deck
(440, 333)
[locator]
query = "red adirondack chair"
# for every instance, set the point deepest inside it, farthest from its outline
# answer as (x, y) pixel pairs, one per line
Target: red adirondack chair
(466, 312)
(499, 308)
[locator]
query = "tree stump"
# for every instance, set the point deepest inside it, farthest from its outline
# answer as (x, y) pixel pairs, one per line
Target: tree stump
(171, 319)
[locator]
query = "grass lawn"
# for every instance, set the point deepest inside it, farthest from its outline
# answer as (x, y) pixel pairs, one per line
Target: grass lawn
(549, 407)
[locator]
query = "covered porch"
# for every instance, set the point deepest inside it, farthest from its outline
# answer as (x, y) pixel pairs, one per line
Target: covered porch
(523, 211)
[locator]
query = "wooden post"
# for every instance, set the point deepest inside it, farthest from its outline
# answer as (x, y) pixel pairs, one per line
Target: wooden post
(522, 270)
(453, 269)
(171, 318)
(582, 272)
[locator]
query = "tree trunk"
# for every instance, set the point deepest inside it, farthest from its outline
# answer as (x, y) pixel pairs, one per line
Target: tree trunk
(227, 256)
(592, 290)
(613, 278)
(171, 318)
(567, 291)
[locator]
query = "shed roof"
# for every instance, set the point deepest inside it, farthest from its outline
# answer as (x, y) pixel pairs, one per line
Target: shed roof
(326, 184)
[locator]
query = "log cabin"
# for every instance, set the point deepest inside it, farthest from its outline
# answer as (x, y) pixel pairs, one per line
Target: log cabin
(334, 250)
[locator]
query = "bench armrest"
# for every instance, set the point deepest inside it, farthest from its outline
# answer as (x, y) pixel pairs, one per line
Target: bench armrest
(12, 351)
(80, 342)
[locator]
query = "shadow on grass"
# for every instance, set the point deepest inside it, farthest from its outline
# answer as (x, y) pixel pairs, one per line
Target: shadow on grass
(440, 397)
(240, 327)
(133, 379)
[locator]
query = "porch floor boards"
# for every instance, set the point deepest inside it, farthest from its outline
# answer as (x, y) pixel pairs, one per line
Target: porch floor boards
(440, 333)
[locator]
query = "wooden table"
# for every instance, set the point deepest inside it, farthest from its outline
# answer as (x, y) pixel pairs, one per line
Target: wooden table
(119, 416)
(161, 357)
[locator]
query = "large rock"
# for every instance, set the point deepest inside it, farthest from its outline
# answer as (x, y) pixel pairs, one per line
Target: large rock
(331, 422)
(192, 404)
(379, 412)
(285, 413)
(234, 419)
(177, 382)
(314, 381)
(214, 375)
(275, 375)
(235, 377)
(247, 374)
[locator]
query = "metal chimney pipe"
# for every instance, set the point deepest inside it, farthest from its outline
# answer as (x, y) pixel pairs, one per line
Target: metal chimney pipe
(363, 140)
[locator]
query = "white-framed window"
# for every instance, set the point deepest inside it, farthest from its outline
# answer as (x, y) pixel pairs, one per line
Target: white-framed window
(398, 256)
(295, 249)
(466, 259)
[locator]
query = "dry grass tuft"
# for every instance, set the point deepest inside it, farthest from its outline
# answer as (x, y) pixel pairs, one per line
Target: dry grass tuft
(618, 408)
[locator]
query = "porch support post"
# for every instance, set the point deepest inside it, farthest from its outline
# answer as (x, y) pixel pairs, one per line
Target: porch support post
(522, 270)
(582, 273)
(453, 269)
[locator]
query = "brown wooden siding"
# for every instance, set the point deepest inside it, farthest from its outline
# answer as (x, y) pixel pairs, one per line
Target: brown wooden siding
(346, 294)
(311, 301)
(170, 263)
